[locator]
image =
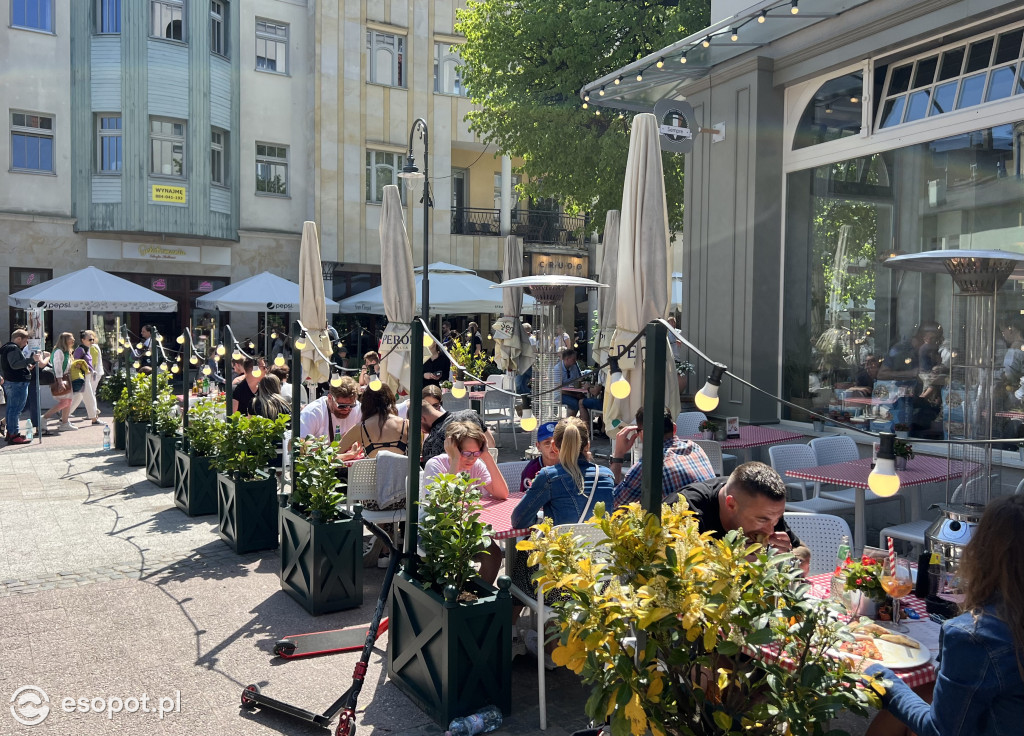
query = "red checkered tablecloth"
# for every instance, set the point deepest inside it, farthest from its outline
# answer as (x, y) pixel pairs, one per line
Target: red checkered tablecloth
(755, 436)
(498, 513)
(920, 471)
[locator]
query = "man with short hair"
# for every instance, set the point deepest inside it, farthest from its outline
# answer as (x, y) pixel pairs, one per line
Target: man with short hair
(17, 370)
(684, 463)
(566, 372)
(334, 414)
(548, 455)
(753, 499)
(433, 421)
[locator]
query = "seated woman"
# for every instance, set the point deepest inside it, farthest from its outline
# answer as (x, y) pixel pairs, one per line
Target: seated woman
(268, 401)
(979, 690)
(465, 447)
(380, 429)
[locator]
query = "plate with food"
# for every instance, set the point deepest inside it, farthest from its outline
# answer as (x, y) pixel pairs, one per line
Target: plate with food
(879, 644)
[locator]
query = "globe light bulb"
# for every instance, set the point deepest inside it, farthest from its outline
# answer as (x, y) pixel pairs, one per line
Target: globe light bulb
(707, 398)
(883, 480)
(257, 372)
(279, 360)
(489, 336)
(174, 368)
(427, 341)
(620, 387)
(163, 367)
(221, 350)
(251, 346)
(181, 339)
(375, 384)
(458, 389)
(149, 353)
(300, 343)
(273, 335)
(138, 346)
(207, 370)
(528, 421)
(136, 365)
(236, 355)
(194, 360)
(177, 359)
(159, 338)
(793, 8)
(120, 350)
(336, 380)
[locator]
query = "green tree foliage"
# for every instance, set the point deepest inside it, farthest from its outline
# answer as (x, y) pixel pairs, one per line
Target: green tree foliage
(524, 62)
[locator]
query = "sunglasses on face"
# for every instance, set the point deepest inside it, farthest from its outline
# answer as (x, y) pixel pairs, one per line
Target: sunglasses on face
(472, 453)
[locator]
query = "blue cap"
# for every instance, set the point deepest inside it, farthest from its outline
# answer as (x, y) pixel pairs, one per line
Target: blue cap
(546, 431)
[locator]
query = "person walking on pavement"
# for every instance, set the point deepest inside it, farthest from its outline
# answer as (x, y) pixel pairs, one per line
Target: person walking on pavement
(90, 353)
(17, 374)
(61, 360)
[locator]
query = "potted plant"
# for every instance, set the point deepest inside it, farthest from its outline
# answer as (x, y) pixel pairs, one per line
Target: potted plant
(161, 440)
(450, 634)
(321, 544)
(134, 409)
(658, 627)
(902, 430)
(904, 452)
(110, 391)
(863, 586)
(683, 370)
(195, 481)
(708, 429)
(247, 507)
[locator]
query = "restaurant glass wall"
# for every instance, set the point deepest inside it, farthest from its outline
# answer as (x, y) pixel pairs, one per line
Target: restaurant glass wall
(873, 346)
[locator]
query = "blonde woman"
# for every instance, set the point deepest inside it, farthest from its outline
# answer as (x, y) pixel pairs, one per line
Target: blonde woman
(61, 360)
(88, 351)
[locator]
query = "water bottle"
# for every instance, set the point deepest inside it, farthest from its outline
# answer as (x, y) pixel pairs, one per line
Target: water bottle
(484, 721)
(30, 432)
(843, 552)
(106, 436)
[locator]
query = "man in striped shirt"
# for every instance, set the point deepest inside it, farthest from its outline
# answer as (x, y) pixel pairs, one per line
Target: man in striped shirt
(685, 462)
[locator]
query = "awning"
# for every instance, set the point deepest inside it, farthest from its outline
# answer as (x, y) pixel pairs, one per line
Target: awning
(658, 76)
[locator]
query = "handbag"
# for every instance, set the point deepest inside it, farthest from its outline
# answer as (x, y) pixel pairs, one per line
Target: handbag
(60, 386)
(46, 376)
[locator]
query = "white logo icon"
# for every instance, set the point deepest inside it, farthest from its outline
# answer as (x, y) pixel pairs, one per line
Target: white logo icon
(30, 705)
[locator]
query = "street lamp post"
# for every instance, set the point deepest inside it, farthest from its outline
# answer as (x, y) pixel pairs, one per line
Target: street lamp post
(411, 174)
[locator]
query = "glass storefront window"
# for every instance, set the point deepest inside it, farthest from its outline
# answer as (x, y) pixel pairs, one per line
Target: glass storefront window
(874, 346)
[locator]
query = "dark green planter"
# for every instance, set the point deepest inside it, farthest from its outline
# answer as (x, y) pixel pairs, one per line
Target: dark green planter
(160, 459)
(451, 658)
(247, 513)
(195, 484)
(135, 444)
(119, 435)
(322, 564)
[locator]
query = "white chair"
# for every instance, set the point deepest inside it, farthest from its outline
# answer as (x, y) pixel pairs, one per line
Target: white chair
(362, 486)
(822, 534)
(450, 403)
(688, 423)
(796, 457)
(493, 451)
(512, 472)
(500, 407)
(714, 452)
(842, 449)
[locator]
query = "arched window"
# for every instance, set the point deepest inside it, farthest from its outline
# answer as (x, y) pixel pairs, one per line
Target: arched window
(833, 112)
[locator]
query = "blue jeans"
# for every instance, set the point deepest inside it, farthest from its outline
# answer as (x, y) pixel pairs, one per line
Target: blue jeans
(17, 394)
(523, 381)
(32, 403)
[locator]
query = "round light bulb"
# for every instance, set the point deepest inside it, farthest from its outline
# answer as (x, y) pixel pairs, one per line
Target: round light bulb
(177, 359)
(427, 341)
(528, 421)
(660, 64)
(279, 360)
(300, 343)
(207, 370)
(489, 336)
(883, 480)
(235, 355)
(336, 380)
(136, 365)
(194, 360)
(221, 350)
(149, 353)
(707, 398)
(257, 372)
(273, 335)
(163, 367)
(120, 350)
(181, 339)
(375, 384)
(251, 346)
(174, 368)
(458, 389)
(620, 387)
(138, 346)
(159, 338)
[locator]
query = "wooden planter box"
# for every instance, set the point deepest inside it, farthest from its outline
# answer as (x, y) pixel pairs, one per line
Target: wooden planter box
(451, 658)
(322, 564)
(120, 432)
(247, 513)
(195, 484)
(160, 459)
(135, 443)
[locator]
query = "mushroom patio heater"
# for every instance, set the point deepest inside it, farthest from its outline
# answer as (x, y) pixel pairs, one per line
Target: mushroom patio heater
(975, 402)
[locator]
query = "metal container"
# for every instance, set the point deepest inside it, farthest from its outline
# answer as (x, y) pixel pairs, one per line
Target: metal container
(948, 536)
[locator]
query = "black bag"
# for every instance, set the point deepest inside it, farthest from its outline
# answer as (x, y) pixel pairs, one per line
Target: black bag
(46, 376)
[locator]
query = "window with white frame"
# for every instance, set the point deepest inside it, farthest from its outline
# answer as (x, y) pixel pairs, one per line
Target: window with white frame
(34, 14)
(219, 27)
(218, 156)
(271, 169)
(109, 158)
(108, 16)
(167, 147)
(271, 46)
(447, 72)
(382, 168)
(31, 142)
(386, 53)
(167, 19)
(516, 181)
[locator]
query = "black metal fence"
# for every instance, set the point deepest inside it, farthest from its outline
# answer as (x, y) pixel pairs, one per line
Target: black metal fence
(532, 226)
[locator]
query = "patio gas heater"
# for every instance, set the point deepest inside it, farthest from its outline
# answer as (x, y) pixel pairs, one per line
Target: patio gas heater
(549, 292)
(974, 396)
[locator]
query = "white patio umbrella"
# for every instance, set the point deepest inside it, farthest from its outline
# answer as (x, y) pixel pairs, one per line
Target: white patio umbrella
(453, 290)
(312, 306)
(514, 352)
(91, 290)
(397, 289)
(643, 273)
(606, 298)
(264, 292)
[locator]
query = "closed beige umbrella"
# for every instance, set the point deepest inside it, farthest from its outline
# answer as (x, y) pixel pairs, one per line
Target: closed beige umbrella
(643, 273)
(514, 352)
(606, 297)
(398, 290)
(312, 306)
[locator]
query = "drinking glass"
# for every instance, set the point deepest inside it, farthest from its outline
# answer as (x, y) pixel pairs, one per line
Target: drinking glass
(897, 582)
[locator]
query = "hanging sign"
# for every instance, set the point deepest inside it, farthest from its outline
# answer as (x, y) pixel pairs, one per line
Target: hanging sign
(395, 338)
(675, 121)
(504, 328)
(163, 193)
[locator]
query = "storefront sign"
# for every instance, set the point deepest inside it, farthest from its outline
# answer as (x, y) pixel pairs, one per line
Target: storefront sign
(558, 264)
(159, 284)
(157, 252)
(163, 193)
(675, 121)
(205, 287)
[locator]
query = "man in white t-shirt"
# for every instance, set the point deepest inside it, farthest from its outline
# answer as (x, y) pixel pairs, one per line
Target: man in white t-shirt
(334, 414)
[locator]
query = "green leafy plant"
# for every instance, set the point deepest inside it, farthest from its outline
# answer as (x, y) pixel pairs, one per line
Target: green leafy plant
(166, 413)
(477, 365)
(451, 533)
(708, 426)
(249, 444)
(206, 428)
(680, 633)
(684, 367)
(112, 385)
(865, 575)
(316, 479)
(903, 448)
(136, 405)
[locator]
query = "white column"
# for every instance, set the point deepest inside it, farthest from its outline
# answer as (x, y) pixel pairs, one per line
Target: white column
(506, 195)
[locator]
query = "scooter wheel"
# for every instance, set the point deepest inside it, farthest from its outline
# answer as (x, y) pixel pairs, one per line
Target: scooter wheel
(247, 701)
(345, 728)
(284, 647)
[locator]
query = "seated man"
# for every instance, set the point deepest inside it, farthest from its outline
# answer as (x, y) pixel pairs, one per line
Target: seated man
(434, 420)
(565, 372)
(685, 461)
(593, 401)
(753, 498)
(548, 455)
(334, 414)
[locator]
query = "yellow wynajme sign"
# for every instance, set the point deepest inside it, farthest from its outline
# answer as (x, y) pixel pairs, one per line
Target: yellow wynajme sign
(162, 193)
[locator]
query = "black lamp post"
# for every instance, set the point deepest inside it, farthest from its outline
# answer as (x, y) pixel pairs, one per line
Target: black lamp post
(411, 174)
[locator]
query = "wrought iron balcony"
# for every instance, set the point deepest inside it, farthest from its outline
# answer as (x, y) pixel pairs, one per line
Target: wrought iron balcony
(532, 226)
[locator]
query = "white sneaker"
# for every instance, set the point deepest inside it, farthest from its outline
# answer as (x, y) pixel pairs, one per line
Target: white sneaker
(65, 426)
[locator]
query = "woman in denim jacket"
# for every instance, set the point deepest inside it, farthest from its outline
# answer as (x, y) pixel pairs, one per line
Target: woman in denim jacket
(563, 490)
(979, 690)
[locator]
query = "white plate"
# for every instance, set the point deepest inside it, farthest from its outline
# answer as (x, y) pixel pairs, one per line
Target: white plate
(897, 656)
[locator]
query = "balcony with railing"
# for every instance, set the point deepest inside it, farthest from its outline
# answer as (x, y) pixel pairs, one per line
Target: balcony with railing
(549, 228)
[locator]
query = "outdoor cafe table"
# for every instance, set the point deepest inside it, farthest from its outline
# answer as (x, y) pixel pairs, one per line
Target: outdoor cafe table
(923, 469)
(754, 435)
